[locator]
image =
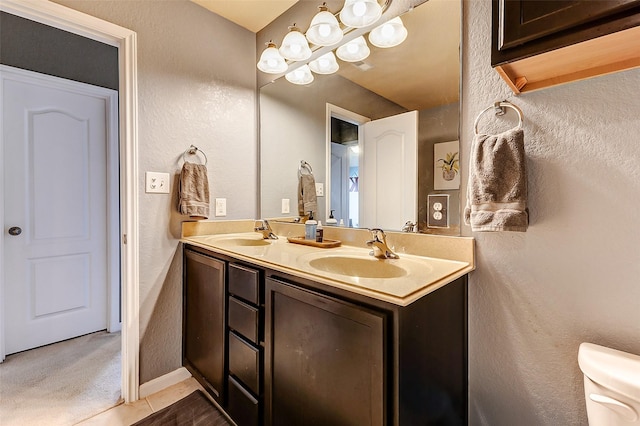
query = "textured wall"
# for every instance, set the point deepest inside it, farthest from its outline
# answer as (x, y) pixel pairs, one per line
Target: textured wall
(573, 276)
(196, 85)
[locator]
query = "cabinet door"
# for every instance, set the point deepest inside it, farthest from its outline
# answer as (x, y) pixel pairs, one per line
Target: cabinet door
(204, 323)
(526, 20)
(324, 360)
(525, 28)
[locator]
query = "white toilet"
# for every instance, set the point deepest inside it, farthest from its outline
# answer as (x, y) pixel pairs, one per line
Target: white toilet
(611, 385)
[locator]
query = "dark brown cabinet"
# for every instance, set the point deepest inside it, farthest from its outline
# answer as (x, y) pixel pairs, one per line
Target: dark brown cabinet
(204, 323)
(325, 360)
(277, 349)
(588, 31)
(246, 353)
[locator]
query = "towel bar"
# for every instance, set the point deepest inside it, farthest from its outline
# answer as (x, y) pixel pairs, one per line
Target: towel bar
(193, 150)
(499, 109)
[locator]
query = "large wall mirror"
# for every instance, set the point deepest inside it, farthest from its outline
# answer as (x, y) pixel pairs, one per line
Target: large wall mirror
(303, 123)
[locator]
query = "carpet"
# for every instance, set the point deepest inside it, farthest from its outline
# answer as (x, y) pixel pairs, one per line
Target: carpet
(195, 410)
(63, 383)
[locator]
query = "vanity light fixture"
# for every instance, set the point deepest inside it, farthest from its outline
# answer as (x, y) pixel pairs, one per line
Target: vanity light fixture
(271, 61)
(360, 13)
(389, 34)
(324, 29)
(295, 46)
(325, 64)
(354, 51)
(300, 75)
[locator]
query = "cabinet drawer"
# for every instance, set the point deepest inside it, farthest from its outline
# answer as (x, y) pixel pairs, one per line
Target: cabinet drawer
(242, 407)
(244, 362)
(244, 319)
(244, 283)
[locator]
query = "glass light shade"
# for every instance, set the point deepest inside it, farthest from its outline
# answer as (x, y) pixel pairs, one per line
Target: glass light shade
(389, 34)
(324, 29)
(360, 13)
(325, 64)
(300, 75)
(294, 45)
(354, 51)
(271, 61)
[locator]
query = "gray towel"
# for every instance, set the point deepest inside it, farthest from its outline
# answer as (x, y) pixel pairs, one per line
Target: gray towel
(194, 190)
(307, 200)
(497, 189)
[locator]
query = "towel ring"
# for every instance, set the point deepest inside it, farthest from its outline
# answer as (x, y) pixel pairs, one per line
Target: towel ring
(193, 150)
(304, 166)
(499, 109)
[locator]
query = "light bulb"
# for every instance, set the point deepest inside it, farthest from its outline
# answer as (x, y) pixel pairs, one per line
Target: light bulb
(389, 34)
(324, 29)
(354, 51)
(294, 45)
(388, 30)
(359, 9)
(325, 64)
(271, 61)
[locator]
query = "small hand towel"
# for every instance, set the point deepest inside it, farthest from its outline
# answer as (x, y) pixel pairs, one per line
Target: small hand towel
(497, 188)
(307, 200)
(194, 190)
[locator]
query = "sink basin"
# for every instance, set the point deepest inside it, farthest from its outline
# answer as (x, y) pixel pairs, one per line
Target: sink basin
(244, 242)
(353, 266)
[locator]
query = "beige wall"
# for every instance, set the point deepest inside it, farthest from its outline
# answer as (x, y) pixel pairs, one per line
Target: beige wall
(196, 85)
(573, 276)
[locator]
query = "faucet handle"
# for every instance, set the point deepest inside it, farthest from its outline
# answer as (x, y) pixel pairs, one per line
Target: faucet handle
(377, 234)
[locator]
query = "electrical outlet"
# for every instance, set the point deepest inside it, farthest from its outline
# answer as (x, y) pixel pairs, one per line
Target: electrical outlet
(438, 214)
(286, 206)
(319, 189)
(221, 206)
(157, 183)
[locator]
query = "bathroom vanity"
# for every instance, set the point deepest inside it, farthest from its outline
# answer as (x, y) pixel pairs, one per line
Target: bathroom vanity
(277, 342)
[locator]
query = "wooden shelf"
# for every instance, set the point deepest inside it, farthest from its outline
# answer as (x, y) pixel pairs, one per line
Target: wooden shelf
(603, 55)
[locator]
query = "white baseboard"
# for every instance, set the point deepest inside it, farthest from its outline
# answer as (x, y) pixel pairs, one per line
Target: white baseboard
(163, 382)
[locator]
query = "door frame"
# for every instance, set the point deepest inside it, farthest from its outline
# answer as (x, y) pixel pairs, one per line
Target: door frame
(349, 117)
(64, 18)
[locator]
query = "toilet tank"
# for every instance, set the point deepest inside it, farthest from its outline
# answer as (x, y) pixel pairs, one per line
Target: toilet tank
(611, 385)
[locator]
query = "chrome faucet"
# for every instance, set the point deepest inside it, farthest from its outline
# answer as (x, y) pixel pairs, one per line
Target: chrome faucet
(264, 227)
(410, 227)
(379, 245)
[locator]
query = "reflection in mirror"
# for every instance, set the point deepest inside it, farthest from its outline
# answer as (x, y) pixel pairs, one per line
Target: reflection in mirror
(421, 74)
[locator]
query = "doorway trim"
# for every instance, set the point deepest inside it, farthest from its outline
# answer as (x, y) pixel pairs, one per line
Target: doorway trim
(64, 18)
(349, 117)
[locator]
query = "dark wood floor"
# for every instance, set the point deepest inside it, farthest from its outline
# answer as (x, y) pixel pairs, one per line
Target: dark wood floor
(195, 409)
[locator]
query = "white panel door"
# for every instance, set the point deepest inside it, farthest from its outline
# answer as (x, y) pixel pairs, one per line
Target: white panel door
(388, 183)
(55, 189)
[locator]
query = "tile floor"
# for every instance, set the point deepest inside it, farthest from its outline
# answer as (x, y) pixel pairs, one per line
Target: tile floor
(127, 414)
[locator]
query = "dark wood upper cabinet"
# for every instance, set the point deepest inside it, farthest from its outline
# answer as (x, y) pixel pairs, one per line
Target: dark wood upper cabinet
(536, 43)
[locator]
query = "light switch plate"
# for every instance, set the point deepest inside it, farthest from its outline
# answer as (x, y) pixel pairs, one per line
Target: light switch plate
(319, 189)
(221, 206)
(157, 183)
(438, 211)
(286, 206)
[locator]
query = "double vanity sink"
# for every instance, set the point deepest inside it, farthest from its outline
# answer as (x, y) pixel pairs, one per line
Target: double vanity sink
(349, 267)
(286, 333)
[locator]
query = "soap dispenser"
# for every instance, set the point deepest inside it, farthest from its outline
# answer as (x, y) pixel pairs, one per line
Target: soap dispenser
(310, 228)
(331, 221)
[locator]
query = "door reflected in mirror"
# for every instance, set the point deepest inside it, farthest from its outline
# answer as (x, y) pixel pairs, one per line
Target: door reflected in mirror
(421, 74)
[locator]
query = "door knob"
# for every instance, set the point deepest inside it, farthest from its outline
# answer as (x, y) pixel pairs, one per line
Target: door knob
(15, 230)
